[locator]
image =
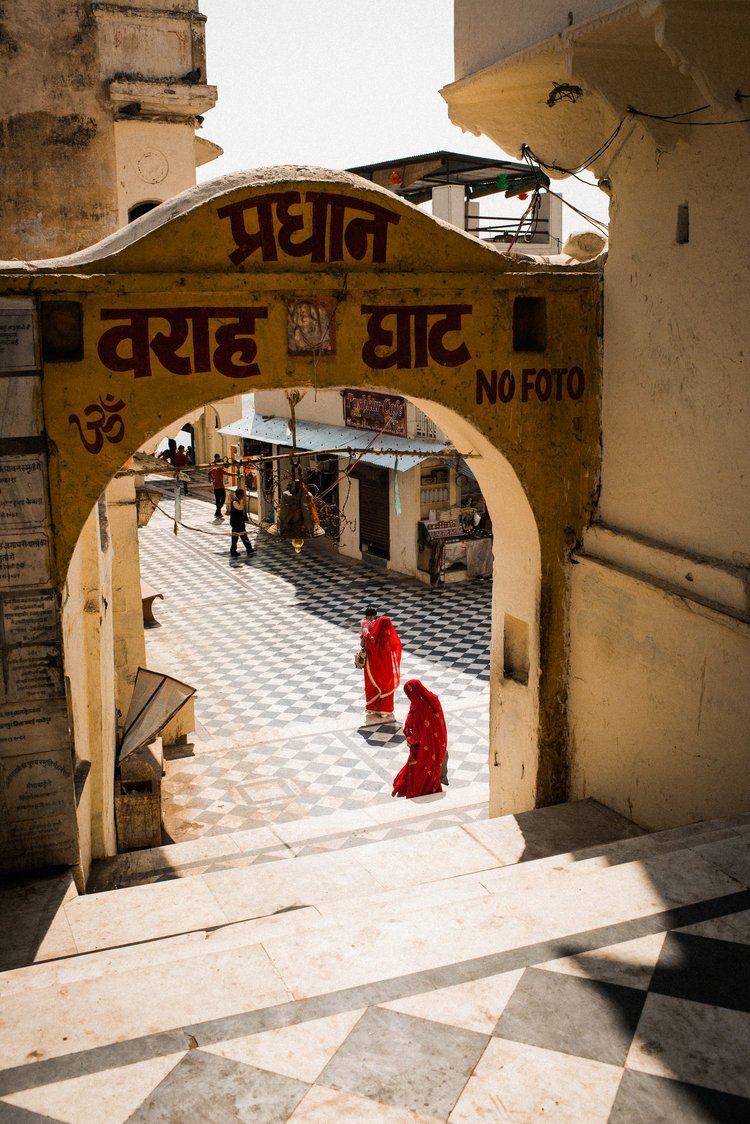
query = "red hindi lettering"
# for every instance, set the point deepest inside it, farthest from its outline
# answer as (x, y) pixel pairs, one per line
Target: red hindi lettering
(415, 341)
(314, 245)
(165, 347)
(188, 327)
(136, 332)
(237, 339)
(264, 238)
(327, 225)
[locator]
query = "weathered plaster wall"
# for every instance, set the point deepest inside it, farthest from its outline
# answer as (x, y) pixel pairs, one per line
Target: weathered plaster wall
(484, 33)
(87, 643)
(154, 161)
(659, 705)
(660, 651)
(56, 141)
(658, 701)
(109, 120)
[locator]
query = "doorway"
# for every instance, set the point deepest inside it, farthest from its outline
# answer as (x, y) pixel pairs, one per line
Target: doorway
(374, 511)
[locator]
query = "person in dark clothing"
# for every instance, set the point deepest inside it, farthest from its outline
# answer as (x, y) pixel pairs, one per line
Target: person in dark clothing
(238, 523)
(181, 459)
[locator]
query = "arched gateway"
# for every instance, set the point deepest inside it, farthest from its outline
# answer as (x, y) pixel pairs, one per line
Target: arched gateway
(191, 305)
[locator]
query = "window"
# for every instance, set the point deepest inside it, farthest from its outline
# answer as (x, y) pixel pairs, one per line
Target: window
(142, 209)
(529, 324)
(424, 426)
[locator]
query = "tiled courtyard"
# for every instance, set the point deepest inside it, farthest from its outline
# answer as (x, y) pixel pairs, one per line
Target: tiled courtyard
(268, 642)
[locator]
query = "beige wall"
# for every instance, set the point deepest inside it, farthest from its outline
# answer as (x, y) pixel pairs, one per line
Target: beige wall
(403, 527)
(659, 701)
(154, 161)
(87, 628)
(660, 621)
(660, 709)
(349, 492)
(485, 32)
(675, 408)
(514, 706)
(325, 407)
(129, 647)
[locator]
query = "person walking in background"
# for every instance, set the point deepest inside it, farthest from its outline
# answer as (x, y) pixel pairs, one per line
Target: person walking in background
(382, 663)
(169, 453)
(181, 460)
(216, 476)
(427, 737)
(238, 523)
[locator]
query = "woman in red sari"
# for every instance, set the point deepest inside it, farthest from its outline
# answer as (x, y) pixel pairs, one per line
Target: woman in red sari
(427, 738)
(382, 666)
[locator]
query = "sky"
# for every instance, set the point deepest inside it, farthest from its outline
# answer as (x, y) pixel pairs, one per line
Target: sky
(340, 83)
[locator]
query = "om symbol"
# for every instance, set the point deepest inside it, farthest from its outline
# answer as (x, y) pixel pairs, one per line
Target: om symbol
(105, 421)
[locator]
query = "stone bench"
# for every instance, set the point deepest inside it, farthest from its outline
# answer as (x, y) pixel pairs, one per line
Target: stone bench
(148, 596)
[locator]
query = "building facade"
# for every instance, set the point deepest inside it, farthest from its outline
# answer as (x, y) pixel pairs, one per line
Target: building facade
(653, 98)
(105, 130)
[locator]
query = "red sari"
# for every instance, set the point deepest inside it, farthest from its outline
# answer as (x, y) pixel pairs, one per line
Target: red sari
(427, 737)
(383, 665)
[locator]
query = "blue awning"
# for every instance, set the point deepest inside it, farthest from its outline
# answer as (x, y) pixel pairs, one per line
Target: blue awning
(316, 437)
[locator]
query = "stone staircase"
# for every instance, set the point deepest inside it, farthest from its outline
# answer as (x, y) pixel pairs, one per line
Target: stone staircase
(321, 963)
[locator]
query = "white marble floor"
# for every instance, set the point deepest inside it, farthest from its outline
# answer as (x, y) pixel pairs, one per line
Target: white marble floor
(427, 978)
(269, 643)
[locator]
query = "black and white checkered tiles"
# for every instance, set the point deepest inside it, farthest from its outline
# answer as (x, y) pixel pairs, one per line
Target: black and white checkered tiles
(269, 643)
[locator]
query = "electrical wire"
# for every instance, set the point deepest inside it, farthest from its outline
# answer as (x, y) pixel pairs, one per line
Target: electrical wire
(580, 167)
(186, 526)
(589, 218)
(632, 111)
(602, 226)
(671, 118)
(522, 220)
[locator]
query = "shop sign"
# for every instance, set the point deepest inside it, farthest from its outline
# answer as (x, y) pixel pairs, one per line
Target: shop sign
(381, 412)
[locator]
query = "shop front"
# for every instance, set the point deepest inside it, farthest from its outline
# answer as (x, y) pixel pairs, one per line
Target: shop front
(390, 488)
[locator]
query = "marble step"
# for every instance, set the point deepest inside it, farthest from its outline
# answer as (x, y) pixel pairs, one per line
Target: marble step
(526, 836)
(420, 830)
(396, 877)
(146, 939)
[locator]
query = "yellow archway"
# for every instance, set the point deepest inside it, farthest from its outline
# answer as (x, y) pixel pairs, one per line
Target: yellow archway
(196, 301)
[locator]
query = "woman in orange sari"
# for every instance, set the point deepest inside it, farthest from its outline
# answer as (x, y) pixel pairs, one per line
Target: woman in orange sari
(427, 738)
(382, 665)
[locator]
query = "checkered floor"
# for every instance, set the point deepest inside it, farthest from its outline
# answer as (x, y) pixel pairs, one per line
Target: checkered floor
(641, 1021)
(640, 1024)
(269, 643)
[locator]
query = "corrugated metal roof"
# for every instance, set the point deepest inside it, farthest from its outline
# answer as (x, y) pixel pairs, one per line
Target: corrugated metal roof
(316, 436)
